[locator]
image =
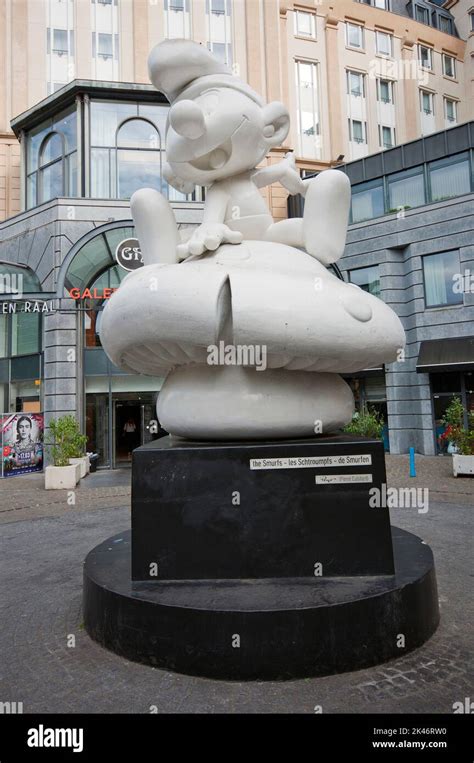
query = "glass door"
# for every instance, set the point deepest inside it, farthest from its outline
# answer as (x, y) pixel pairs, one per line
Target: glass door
(127, 430)
(97, 426)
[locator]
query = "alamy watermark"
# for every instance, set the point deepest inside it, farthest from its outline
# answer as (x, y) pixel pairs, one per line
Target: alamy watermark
(11, 284)
(463, 283)
(253, 355)
(399, 498)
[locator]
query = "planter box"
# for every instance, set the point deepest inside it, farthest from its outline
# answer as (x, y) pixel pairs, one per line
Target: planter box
(62, 477)
(84, 465)
(463, 465)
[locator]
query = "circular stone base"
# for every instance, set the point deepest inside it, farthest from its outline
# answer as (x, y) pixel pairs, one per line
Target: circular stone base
(261, 629)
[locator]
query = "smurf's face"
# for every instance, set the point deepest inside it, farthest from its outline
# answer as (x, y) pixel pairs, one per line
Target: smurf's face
(221, 132)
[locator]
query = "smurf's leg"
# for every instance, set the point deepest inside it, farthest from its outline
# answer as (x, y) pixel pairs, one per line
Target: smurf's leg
(326, 215)
(156, 226)
(288, 232)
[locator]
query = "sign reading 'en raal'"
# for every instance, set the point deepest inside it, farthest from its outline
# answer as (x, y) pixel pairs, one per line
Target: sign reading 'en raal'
(128, 254)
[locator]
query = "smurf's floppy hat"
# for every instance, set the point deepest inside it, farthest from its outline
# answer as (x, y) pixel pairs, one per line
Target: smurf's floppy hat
(184, 68)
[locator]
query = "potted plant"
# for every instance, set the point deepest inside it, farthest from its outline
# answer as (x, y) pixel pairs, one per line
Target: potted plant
(459, 438)
(366, 423)
(66, 442)
(78, 450)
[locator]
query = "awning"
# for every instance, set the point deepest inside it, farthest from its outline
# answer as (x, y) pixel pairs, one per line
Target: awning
(378, 371)
(446, 355)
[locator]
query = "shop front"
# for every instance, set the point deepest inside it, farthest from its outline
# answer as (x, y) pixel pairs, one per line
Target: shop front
(119, 408)
(450, 364)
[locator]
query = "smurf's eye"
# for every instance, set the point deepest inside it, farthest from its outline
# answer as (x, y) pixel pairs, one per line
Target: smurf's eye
(209, 102)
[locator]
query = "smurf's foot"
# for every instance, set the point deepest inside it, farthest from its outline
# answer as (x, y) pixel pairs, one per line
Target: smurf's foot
(156, 227)
(201, 402)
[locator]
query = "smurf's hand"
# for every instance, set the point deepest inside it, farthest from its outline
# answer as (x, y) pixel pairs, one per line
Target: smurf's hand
(208, 237)
(291, 179)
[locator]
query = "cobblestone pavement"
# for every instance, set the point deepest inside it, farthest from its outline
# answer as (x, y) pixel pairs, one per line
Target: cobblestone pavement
(41, 607)
(25, 497)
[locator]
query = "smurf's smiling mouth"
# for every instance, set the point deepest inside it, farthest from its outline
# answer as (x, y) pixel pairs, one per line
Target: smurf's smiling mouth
(218, 157)
(214, 159)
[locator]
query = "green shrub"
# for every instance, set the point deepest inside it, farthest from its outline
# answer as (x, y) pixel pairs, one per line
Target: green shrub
(367, 423)
(67, 440)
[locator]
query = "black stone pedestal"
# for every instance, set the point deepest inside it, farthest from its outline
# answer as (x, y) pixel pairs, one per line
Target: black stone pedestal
(260, 560)
(259, 509)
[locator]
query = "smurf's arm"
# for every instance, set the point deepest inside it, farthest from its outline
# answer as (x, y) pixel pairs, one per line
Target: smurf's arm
(212, 232)
(215, 206)
(284, 172)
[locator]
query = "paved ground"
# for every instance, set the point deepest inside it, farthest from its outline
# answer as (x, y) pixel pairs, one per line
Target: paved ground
(44, 542)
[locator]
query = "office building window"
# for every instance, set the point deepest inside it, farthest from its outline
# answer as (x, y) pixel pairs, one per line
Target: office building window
(422, 14)
(60, 63)
(356, 84)
(51, 167)
(357, 131)
(367, 201)
(308, 109)
(449, 66)
(105, 46)
(385, 91)
(219, 26)
(445, 24)
(427, 102)
(450, 177)
(471, 17)
(51, 159)
(440, 272)
(126, 148)
(60, 42)
(406, 189)
(383, 4)
(450, 111)
(138, 157)
(425, 57)
(354, 35)
(383, 43)
(25, 329)
(177, 19)
(105, 40)
(367, 278)
(305, 24)
(386, 136)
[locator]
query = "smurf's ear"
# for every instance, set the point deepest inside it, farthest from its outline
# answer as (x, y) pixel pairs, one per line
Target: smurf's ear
(277, 123)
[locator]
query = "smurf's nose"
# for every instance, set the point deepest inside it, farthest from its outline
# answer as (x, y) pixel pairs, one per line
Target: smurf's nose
(187, 119)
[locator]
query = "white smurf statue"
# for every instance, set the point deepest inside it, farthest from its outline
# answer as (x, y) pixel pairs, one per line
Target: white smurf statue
(243, 319)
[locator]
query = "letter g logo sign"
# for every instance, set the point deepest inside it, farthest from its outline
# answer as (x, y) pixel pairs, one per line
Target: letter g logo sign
(128, 254)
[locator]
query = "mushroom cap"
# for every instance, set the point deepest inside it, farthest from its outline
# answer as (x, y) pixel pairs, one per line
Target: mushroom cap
(255, 293)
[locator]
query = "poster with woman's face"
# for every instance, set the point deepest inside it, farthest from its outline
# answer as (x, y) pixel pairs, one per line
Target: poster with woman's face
(22, 443)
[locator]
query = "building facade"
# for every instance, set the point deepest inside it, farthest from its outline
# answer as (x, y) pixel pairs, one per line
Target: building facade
(357, 77)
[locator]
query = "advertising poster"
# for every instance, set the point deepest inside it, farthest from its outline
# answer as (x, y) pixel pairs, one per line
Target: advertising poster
(22, 443)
